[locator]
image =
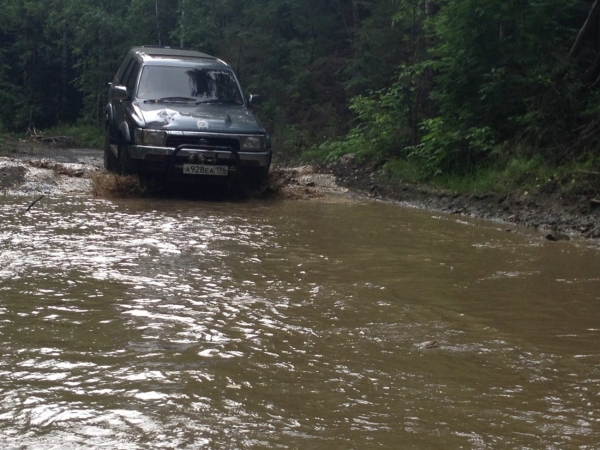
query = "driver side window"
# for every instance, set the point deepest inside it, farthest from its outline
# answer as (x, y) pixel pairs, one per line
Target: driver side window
(126, 72)
(130, 81)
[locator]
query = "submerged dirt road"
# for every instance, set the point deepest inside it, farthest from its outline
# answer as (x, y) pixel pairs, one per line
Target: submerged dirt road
(46, 170)
(559, 208)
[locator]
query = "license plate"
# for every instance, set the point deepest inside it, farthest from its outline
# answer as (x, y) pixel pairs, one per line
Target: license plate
(203, 169)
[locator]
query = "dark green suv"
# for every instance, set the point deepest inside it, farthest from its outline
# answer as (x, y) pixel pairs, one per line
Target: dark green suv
(181, 114)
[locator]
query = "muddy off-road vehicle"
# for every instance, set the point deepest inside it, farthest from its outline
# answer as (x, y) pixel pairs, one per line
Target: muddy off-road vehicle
(181, 114)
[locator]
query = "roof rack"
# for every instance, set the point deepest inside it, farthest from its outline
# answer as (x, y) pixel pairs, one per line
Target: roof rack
(158, 51)
(167, 47)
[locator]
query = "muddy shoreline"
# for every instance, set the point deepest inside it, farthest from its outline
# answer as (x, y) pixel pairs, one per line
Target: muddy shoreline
(560, 208)
(34, 169)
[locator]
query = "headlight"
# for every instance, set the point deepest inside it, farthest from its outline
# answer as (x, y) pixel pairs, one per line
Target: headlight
(150, 137)
(252, 142)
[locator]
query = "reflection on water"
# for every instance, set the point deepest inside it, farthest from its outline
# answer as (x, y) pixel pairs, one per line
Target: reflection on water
(151, 324)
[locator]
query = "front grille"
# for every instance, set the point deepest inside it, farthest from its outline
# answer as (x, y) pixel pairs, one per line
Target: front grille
(209, 141)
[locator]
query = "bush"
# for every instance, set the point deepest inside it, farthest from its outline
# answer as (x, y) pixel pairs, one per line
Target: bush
(448, 149)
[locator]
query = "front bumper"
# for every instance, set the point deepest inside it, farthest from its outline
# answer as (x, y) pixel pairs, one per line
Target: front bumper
(169, 160)
(260, 158)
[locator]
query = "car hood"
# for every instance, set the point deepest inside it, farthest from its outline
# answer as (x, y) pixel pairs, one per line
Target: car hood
(210, 118)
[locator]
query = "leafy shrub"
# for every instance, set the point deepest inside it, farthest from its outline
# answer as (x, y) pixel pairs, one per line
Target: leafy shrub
(447, 149)
(384, 121)
(401, 169)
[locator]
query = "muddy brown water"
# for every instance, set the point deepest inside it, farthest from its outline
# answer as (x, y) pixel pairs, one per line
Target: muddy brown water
(173, 324)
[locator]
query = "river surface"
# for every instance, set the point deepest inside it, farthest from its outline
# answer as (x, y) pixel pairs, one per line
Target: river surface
(291, 325)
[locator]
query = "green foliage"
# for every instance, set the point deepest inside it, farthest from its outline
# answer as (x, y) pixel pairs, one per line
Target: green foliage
(445, 149)
(372, 138)
(497, 58)
(517, 173)
(525, 174)
(439, 93)
(385, 121)
(476, 79)
(404, 170)
(328, 151)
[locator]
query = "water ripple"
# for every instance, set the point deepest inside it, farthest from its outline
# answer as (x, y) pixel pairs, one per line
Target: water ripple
(155, 324)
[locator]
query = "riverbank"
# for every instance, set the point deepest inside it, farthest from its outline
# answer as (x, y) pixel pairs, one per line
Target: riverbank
(569, 206)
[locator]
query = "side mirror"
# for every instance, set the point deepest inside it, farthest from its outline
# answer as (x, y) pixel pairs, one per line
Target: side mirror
(254, 100)
(118, 92)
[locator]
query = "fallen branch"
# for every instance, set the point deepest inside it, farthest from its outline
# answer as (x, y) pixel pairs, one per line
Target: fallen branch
(35, 135)
(51, 139)
(588, 172)
(34, 202)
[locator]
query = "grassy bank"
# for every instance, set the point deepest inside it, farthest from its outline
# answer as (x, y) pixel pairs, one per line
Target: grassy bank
(515, 174)
(82, 135)
(503, 176)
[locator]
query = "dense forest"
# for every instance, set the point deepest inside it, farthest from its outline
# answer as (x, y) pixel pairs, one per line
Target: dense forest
(449, 85)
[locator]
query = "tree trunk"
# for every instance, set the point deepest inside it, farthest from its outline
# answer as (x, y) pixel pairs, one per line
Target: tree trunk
(356, 15)
(157, 23)
(63, 82)
(343, 16)
(585, 29)
(182, 26)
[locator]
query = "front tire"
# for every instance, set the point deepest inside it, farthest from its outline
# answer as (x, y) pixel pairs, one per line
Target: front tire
(110, 160)
(123, 163)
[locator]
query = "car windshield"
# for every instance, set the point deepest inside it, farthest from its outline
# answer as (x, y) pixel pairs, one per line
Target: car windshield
(186, 84)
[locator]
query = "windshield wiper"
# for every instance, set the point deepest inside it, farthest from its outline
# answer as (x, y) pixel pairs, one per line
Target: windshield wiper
(171, 100)
(216, 101)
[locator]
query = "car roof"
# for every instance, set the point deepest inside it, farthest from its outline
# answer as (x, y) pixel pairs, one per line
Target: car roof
(157, 55)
